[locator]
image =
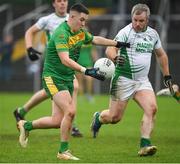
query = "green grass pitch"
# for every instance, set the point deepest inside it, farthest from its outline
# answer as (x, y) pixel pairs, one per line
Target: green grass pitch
(115, 143)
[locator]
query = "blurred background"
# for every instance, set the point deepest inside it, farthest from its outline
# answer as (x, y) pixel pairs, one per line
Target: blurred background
(107, 17)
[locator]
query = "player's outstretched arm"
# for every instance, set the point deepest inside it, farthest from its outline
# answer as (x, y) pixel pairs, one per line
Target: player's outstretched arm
(98, 40)
(93, 72)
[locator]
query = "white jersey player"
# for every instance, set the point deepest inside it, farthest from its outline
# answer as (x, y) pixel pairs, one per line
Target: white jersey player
(131, 79)
(50, 23)
(135, 71)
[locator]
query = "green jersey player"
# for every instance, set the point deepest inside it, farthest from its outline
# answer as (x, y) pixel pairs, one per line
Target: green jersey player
(48, 24)
(131, 79)
(58, 74)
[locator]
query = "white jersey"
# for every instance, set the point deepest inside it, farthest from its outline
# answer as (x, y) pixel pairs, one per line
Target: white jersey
(50, 22)
(138, 56)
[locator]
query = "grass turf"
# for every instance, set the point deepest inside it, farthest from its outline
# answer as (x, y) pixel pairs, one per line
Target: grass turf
(115, 143)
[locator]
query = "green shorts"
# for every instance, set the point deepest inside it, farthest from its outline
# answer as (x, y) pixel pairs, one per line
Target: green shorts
(53, 85)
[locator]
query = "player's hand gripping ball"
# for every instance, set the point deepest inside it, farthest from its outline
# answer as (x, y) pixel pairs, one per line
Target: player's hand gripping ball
(106, 67)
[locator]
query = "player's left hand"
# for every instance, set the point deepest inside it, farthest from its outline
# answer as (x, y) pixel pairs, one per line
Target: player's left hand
(177, 96)
(167, 81)
(120, 60)
(33, 54)
(93, 73)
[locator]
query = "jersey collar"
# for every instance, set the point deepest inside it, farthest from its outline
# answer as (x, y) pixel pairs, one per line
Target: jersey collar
(60, 16)
(68, 28)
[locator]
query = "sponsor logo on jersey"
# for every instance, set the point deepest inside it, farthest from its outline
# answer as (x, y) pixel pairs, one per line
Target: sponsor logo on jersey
(144, 47)
(77, 38)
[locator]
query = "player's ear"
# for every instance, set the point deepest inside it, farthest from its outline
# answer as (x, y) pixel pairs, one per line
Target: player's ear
(147, 19)
(53, 4)
(71, 15)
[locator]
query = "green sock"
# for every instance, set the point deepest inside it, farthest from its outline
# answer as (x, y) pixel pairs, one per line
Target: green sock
(63, 147)
(145, 142)
(73, 124)
(28, 126)
(22, 111)
(97, 120)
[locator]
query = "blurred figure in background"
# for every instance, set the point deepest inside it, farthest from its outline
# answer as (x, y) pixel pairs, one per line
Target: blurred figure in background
(6, 50)
(88, 55)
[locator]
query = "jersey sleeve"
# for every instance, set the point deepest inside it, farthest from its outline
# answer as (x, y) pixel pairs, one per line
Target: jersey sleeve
(42, 22)
(61, 41)
(158, 42)
(88, 37)
(121, 36)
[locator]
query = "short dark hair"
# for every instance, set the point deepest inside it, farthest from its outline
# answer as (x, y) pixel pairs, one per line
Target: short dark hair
(79, 7)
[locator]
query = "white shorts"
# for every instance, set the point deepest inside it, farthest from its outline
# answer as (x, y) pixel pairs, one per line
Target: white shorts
(124, 88)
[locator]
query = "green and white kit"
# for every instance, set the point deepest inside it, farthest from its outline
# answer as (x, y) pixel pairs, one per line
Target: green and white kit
(138, 60)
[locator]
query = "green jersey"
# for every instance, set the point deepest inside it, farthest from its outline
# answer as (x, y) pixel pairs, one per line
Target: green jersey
(63, 40)
(85, 58)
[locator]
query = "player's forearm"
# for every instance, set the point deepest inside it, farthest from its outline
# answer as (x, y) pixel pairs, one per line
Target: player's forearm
(29, 39)
(164, 64)
(98, 40)
(29, 35)
(72, 64)
(111, 53)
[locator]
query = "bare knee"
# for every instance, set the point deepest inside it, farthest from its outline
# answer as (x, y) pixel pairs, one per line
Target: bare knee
(70, 115)
(153, 109)
(115, 119)
(151, 112)
(56, 122)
